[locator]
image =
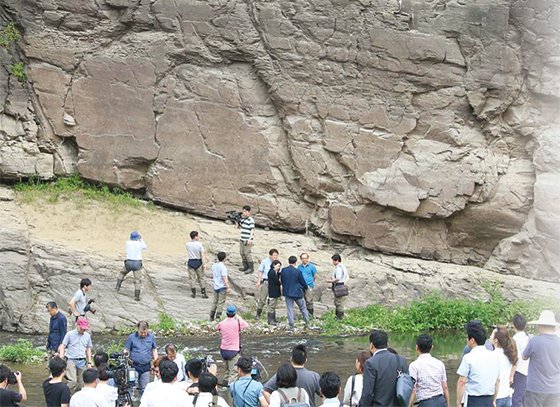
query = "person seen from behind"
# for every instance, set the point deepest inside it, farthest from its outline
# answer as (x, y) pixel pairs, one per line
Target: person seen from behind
(133, 262)
(330, 388)
(221, 286)
(195, 264)
(521, 340)
(166, 394)
(245, 391)
(287, 390)
(57, 393)
(430, 389)
(543, 353)
(293, 286)
(230, 344)
(354, 384)
(88, 396)
(207, 395)
(505, 349)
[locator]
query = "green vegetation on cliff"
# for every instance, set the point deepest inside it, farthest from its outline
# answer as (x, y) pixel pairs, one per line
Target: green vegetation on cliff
(76, 189)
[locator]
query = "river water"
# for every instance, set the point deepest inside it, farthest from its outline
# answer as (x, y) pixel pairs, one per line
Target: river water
(324, 353)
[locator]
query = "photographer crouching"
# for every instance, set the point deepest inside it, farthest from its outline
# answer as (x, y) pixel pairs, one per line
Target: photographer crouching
(9, 397)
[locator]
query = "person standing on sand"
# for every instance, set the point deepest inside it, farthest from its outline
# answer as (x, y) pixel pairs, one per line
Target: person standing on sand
(134, 248)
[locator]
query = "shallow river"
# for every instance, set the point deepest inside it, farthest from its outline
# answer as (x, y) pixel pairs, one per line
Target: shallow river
(324, 353)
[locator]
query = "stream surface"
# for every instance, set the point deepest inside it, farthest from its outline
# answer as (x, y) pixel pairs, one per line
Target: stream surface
(324, 354)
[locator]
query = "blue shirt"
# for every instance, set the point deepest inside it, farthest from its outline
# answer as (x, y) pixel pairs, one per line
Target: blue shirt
(481, 368)
(140, 348)
(308, 272)
(57, 331)
(245, 392)
(265, 267)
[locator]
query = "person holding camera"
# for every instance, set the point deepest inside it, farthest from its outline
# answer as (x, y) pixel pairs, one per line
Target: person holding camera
(9, 397)
(79, 303)
(246, 240)
(134, 248)
(230, 345)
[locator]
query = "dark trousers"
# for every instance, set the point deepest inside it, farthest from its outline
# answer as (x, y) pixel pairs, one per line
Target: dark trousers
(434, 402)
(541, 400)
(519, 386)
(480, 401)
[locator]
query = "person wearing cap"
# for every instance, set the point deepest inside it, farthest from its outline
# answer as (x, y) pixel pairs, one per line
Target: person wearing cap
(245, 391)
(134, 248)
(543, 352)
(76, 347)
(230, 345)
(479, 371)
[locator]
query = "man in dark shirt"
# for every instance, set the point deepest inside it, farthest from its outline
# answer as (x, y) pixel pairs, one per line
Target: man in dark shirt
(57, 393)
(8, 397)
(57, 328)
(293, 285)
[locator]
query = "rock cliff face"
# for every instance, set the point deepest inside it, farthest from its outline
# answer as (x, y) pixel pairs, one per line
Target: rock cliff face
(426, 128)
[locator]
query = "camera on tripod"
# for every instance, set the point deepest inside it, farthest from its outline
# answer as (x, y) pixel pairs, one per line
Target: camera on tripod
(124, 376)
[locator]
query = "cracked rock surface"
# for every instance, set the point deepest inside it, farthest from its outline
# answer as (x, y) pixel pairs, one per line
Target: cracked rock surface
(416, 127)
(46, 248)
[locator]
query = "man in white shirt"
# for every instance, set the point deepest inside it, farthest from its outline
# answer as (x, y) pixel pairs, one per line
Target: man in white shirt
(166, 394)
(520, 377)
(330, 388)
(133, 262)
(88, 397)
(195, 264)
(429, 375)
(207, 383)
(479, 370)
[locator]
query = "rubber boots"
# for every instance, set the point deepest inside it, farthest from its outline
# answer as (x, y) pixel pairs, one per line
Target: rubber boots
(274, 317)
(137, 295)
(218, 315)
(249, 268)
(271, 320)
(193, 292)
(259, 312)
(203, 291)
(339, 314)
(311, 311)
(212, 315)
(243, 267)
(119, 283)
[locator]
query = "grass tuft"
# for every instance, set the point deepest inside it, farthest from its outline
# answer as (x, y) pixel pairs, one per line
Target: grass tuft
(76, 189)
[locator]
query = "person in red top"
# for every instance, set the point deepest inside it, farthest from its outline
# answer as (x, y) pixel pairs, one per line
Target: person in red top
(230, 331)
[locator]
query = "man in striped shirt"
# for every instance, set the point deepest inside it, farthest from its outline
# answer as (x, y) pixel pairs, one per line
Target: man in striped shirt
(429, 373)
(247, 226)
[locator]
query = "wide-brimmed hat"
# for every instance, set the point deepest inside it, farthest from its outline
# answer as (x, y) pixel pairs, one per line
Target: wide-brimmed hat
(83, 323)
(546, 318)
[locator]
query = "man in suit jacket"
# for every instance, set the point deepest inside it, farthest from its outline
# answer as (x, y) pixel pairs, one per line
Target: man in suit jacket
(380, 373)
(293, 285)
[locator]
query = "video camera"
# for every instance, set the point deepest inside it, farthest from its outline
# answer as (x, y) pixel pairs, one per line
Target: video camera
(12, 377)
(123, 374)
(234, 217)
(206, 363)
(89, 307)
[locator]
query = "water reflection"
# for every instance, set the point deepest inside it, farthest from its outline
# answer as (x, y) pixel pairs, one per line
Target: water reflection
(325, 353)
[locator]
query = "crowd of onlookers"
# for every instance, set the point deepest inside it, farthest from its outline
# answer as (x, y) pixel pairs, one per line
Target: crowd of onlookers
(496, 370)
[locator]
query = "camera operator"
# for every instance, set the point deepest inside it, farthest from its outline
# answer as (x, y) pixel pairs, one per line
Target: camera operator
(10, 397)
(79, 301)
(247, 226)
(143, 349)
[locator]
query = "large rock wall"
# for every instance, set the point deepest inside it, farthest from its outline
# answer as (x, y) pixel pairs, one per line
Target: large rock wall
(424, 128)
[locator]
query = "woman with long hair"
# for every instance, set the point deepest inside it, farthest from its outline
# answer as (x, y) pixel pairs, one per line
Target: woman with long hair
(353, 388)
(507, 356)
